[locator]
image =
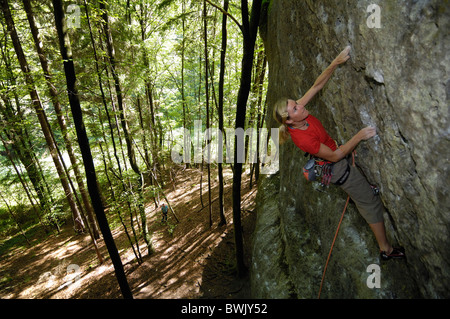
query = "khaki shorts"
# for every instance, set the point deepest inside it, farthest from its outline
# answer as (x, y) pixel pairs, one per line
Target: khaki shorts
(356, 186)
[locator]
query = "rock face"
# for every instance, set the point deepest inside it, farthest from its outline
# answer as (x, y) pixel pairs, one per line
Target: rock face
(397, 80)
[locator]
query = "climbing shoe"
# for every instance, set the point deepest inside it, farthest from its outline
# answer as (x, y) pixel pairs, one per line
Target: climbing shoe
(397, 253)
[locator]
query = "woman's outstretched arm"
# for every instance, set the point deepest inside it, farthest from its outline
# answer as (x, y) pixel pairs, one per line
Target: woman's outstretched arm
(324, 77)
(328, 154)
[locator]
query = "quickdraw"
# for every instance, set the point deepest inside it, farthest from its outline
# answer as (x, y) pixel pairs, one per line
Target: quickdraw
(327, 169)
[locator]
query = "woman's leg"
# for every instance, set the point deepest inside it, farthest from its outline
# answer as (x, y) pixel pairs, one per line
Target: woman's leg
(380, 235)
(369, 205)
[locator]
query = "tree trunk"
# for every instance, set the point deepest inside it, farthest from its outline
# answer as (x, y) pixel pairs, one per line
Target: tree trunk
(183, 95)
(85, 149)
(257, 90)
(220, 111)
(136, 250)
(249, 30)
(60, 117)
(125, 127)
(78, 222)
(205, 35)
(148, 91)
(93, 231)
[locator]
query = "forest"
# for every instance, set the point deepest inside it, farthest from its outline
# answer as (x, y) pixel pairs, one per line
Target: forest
(110, 109)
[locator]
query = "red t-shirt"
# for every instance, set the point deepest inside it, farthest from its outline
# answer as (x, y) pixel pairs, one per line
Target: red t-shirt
(309, 140)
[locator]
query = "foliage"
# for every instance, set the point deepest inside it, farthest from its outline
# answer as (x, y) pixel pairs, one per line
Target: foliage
(159, 58)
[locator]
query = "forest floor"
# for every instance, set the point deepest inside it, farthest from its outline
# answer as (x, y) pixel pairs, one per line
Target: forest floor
(191, 259)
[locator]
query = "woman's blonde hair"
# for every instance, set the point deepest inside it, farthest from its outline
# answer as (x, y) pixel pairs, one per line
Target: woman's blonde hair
(280, 114)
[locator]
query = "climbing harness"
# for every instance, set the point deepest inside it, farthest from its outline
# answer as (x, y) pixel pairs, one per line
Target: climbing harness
(317, 168)
(344, 176)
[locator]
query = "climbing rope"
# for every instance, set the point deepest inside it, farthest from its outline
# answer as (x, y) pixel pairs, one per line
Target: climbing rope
(335, 235)
(331, 249)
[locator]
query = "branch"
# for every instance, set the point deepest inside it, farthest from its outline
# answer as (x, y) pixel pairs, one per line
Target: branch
(226, 13)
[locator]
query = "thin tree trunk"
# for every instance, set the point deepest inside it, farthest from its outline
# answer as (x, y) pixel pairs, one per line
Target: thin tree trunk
(125, 187)
(220, 111)
(261, 115)
(142, 125)
(93, 232)
(136, 250)
(148, 89)
(125, 127)
(258, 82)
(183, 97)
(249, 29)
(205, 35)
(83, 141)
(60, 117)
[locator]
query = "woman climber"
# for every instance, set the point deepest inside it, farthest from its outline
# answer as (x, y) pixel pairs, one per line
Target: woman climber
(308, 134)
